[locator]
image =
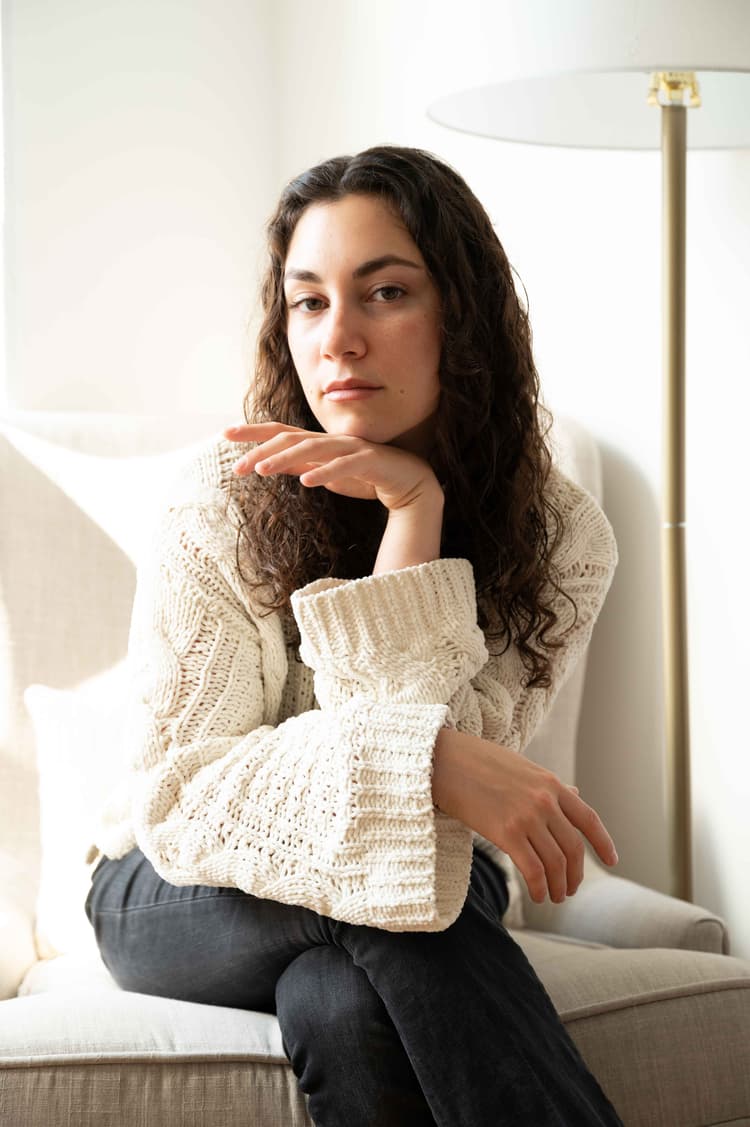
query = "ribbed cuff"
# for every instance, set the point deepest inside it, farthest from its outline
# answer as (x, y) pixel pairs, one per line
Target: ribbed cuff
(396, 629)
(419, 860)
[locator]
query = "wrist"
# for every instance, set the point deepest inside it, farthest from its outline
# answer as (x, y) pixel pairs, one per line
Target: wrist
(413, 533)
(445, 765)
(430, 499)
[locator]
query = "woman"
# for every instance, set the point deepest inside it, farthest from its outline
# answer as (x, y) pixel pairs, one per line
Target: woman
(347, 635)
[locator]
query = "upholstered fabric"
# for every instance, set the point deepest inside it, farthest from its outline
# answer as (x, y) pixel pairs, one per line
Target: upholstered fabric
(658, 1027)
(612, 910)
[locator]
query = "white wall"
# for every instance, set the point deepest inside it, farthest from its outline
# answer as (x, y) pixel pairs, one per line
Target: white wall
(138, 173)
(3, 380)
(146, 144)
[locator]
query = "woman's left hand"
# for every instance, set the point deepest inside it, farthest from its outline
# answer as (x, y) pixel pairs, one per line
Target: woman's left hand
(342, 463)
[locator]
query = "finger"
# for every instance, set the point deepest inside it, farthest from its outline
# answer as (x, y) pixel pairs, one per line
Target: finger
(260, 457)
(249, 432)
(554, 860)
(288, 451)
(586, 819)
(278, 454)
(282, 454)
(260, 442)
(571, 843)
(348, 465)
(531, 868)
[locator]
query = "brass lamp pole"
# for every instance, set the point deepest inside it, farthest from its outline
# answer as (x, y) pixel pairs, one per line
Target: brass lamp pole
(670, 89)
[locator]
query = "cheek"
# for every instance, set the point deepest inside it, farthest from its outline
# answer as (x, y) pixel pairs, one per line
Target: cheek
(417, 337)
(300, 359)
(427, 337)
(293, 344)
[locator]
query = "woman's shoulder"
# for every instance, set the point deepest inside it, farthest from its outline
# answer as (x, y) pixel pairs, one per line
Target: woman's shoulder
(197, 508)
(205, 474)
(586, 526)
(566, 491)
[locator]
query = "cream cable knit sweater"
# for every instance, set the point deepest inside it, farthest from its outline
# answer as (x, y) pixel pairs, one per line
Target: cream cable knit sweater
(309, 782)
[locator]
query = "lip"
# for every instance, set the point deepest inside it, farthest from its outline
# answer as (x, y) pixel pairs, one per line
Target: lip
(342, 390)
(342, 393)
(350, 385)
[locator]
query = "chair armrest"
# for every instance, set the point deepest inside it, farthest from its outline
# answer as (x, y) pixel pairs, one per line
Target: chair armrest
(620, 913)
(17, 950)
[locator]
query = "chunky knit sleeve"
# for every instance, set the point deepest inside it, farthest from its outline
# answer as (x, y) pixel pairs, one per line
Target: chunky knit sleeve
(330, 809)
(407, 636)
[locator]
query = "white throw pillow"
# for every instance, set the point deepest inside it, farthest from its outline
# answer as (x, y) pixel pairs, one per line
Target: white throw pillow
(124, 496)
(81, 754)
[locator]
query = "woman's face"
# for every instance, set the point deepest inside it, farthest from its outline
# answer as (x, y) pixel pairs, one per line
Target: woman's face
(361, 308)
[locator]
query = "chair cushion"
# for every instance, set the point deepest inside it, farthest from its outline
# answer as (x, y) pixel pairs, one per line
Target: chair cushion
(667, 1033)
(73, 1039)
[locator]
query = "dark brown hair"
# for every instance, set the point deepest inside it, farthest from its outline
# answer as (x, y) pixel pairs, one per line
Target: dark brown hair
(490, 450)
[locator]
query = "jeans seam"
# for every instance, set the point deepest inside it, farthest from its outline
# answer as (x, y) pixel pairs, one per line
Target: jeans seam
(165, 903)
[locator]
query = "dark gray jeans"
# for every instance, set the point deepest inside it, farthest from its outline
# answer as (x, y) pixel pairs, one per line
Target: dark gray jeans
(382, 1029)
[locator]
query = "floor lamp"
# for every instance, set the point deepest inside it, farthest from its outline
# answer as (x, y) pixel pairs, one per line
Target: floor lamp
(690, 73)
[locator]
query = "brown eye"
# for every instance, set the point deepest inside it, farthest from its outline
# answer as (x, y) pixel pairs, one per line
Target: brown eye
(389, 293)
(304, 303)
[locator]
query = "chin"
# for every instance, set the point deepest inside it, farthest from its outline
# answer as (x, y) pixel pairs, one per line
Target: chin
(371, 430)
(415, 436)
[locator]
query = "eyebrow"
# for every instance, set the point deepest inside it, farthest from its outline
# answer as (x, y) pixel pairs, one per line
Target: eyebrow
(369, 267)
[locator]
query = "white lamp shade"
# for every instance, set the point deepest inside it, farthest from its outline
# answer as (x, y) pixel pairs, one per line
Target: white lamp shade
(582, 72)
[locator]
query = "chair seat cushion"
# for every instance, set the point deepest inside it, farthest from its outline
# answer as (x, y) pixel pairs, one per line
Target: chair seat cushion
(667, 1033)
(74, 1040)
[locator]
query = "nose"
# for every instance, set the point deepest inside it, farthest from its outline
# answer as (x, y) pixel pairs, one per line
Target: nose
(342, 332)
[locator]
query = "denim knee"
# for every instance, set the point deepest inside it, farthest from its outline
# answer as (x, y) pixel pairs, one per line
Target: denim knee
(345, 1052)
(323, 996)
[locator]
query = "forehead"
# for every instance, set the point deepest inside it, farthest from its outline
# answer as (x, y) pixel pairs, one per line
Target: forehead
(354, 228)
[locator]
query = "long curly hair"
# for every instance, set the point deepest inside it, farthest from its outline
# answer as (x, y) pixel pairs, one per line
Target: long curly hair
(489, 449)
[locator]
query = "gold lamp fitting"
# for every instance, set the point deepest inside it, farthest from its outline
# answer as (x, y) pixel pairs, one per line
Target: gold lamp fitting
(674, 88)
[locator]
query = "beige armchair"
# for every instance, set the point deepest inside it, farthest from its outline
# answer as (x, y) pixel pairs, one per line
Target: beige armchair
(644, 983)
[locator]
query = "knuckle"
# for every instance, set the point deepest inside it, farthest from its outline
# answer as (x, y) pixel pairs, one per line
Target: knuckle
(514, 827)
(546, 802)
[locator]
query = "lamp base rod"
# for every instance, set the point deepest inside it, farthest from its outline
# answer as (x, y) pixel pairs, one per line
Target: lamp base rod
(674, 600)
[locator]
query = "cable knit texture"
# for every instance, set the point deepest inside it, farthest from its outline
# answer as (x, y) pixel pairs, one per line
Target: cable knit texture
(310, 782)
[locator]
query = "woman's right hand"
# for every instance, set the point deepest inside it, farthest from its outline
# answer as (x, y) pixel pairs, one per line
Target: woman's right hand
(523, 808)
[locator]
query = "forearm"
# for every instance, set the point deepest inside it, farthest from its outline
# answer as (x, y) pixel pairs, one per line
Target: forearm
(450, 776)
(412, 534)
(510, 801)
